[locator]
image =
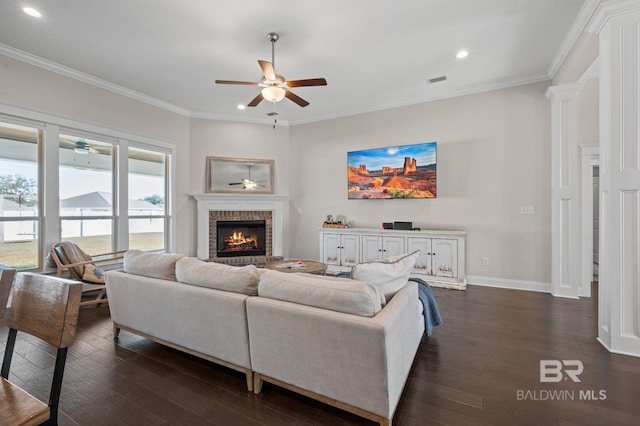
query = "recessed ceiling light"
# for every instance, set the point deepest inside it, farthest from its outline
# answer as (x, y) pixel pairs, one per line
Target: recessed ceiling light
(241, 106)
(462, 54)
(32, 12)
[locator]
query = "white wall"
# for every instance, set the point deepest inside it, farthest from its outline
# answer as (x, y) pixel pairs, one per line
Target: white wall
(240, 140)
(493, 157)
(29, 87)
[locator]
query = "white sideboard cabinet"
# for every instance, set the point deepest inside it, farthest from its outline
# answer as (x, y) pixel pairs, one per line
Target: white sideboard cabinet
(442, 253)
(340, 249)
(377, 247)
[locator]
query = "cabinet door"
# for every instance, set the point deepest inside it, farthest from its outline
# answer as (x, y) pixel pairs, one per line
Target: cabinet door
(392, 246)
(445, 257)
(371, 248)
(331, 249)
(423, 265)
(350, 250)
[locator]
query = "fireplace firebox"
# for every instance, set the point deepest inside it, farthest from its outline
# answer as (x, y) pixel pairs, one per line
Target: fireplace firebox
(241, 238)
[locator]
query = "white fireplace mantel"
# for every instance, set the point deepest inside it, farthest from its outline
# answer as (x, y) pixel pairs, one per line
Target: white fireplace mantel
(239, 202)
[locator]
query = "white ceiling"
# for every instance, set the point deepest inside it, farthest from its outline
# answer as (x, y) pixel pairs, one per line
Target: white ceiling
(375, 54)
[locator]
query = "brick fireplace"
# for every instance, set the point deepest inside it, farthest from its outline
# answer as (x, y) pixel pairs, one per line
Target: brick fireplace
(227, 208)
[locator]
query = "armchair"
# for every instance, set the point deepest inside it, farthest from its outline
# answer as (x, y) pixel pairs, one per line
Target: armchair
(66, 255)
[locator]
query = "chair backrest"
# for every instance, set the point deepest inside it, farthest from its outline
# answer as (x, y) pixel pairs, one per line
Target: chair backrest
(6, 279)
(46, 307)
(68, 252)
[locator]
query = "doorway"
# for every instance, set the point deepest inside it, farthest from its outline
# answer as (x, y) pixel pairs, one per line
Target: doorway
(590, 217)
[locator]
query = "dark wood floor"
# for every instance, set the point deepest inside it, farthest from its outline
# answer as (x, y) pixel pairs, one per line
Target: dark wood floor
(468, 372)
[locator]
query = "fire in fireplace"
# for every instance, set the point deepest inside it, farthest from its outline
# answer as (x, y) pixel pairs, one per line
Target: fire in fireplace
(241, 238)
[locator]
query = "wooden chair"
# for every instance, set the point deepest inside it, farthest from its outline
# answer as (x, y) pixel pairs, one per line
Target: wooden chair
(6, 279)
(46, 307)
(66, 255)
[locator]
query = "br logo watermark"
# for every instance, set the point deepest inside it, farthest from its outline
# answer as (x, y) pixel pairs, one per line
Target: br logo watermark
(553, 370)
(557, 371)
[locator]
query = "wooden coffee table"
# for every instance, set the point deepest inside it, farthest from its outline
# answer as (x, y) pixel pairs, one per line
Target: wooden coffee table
(310, 267)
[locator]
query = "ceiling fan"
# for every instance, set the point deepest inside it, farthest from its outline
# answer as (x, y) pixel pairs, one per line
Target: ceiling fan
(274, 86)
(79, 146)
(248, 183)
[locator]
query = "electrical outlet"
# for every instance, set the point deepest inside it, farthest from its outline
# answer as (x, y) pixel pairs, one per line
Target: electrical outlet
(527, 210)
(485, 261)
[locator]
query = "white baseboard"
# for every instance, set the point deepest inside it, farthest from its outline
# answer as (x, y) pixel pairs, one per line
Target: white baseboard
(511, 284)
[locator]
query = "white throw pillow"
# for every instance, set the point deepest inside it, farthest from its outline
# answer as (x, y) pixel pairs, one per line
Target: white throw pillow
(238, 279)
(335, 294)
(153, 265)
(389, 275)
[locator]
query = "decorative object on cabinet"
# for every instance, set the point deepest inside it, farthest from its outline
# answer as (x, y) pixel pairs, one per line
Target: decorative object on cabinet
(407, 171)
(442, 252)
(331, 223)
(239, 175)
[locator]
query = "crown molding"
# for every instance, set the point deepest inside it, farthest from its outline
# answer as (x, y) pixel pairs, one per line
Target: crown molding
(88, 79)
(578, 27)
(608, 9)
(236, 118)
(462, 91)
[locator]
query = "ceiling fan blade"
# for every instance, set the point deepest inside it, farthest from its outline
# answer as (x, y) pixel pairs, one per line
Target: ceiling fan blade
(256, 100)
(307, 82)
(244, 83)
(295, 98)
(267, 70)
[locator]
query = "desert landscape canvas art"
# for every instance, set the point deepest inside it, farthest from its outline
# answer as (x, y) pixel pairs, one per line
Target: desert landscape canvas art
(407, 171)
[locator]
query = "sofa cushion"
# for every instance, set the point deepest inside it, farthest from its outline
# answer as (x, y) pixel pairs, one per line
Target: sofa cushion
(238, 279)
(153, 265)
(335, 294)
(389, 275)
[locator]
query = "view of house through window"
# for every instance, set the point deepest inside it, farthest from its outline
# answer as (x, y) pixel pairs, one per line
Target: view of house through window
(93, 211)
(19, 196)
(86, 193)
(147, 193)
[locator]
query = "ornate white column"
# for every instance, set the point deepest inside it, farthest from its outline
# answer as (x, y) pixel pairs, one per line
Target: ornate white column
(565, 250)
(617, 23)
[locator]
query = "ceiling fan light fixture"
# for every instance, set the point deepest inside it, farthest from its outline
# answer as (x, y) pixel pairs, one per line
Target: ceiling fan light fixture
(81, 147)
(273, 93)
(32, 12)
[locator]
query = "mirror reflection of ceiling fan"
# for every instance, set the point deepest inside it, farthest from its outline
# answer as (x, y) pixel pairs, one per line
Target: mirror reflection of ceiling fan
(80, 146)
(248, 183)
(274, 86)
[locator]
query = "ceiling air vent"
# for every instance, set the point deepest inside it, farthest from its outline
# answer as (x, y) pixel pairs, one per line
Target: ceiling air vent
(436, 79)
(271, 114)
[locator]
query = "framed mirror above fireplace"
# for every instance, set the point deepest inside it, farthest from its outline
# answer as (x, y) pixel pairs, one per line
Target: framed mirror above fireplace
(239, 175)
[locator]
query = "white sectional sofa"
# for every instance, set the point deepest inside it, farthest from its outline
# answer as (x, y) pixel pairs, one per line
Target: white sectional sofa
(331, 339)
(206, 322)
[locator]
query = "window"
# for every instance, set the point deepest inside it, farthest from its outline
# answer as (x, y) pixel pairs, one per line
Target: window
(19, 196)
(80, 182)
(86, 182)
(147, 208)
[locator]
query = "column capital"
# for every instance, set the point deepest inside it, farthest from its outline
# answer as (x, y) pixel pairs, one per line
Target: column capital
(564, 91)
(608, 9)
